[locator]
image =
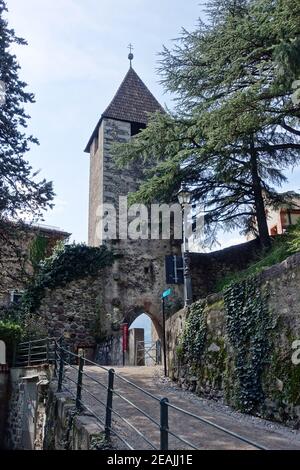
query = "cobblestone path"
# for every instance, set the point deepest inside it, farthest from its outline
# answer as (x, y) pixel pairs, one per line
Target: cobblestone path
(203, 436)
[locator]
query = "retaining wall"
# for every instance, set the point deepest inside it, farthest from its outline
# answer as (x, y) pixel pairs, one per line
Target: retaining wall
(215, 375)
(65, 429)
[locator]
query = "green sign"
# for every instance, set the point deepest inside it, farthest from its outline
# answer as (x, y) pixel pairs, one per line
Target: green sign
(166, 293)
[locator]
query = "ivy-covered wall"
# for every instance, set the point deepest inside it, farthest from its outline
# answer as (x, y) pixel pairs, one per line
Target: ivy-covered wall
(237, 346)
(22, 247)
(66, 296)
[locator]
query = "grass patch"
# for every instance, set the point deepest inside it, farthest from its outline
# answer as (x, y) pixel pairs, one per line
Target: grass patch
(283, 246)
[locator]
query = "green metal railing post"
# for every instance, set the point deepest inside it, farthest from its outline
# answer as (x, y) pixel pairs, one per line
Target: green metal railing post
(79, 384)
(164, 424)
(109, 403)
(61, 371)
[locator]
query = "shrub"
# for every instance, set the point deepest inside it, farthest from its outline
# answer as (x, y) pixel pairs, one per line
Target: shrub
(283, 246)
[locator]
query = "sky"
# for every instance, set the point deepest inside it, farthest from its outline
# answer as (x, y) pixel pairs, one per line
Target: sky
(144, 322)
(74, 62)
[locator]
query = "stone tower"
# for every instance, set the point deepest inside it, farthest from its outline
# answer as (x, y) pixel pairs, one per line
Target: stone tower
(138, 276)
(126, 115)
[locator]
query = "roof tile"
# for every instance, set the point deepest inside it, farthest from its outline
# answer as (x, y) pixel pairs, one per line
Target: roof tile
(132, 102)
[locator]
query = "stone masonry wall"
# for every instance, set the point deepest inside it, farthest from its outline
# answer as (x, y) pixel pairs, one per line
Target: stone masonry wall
(16, 267)
(25, 414)
(65, 429)
(53, 424)
(90, 310)
(95, 191)
(76, 311)
(214, 376)
(207, 269)
(4, 376)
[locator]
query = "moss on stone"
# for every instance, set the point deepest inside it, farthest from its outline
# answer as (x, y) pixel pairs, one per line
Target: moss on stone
(218, 305)
(282, 369)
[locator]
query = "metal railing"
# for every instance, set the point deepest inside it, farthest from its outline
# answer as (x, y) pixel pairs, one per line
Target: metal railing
(64, 360)
(35, 352)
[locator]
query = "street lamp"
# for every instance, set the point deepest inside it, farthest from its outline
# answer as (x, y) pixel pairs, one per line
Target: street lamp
(184, 195)
(184, 198)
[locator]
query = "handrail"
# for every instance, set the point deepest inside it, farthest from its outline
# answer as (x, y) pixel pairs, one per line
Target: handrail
(182, 440)
(60, 356)
(95, 380)
(136, 407)
(134, 428)
(34, 352)
(216, 426)
(38, 340)
(137, 387)
(102, 422)
(92, 395)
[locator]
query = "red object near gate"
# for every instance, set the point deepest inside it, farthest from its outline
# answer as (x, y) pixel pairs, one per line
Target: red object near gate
(125, 336)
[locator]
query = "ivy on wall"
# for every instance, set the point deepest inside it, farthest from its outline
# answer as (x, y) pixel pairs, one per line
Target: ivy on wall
(247, 323)
(37, 250)
(194, 336)
(67, 263)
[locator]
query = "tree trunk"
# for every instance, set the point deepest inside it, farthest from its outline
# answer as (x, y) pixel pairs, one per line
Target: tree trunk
(261, 217)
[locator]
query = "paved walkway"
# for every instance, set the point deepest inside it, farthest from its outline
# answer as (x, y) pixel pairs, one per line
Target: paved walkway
(203, 436)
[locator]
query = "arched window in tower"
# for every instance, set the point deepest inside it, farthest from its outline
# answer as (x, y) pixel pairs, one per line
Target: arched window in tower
(136, 127)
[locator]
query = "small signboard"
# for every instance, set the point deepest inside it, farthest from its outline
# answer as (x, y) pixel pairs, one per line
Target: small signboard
(166, 293)
(174, 269)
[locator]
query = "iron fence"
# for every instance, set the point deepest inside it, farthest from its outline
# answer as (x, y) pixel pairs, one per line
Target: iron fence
(35, 352)
(53, 351)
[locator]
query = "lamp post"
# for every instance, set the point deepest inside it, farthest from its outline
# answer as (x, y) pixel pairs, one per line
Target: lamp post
(184, 198)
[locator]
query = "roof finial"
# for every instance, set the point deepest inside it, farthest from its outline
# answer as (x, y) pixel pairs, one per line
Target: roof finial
(130, 55)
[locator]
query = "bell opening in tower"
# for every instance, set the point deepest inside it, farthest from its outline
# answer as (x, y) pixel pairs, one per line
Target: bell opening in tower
(136, 127)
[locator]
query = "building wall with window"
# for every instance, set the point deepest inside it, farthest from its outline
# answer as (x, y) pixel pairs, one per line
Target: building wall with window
(281, 218)
(18, 256)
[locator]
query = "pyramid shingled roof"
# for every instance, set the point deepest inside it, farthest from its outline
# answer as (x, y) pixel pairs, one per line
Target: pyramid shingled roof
(132, 103)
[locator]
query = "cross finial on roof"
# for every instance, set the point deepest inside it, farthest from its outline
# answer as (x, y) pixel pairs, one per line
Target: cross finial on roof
(130, 55)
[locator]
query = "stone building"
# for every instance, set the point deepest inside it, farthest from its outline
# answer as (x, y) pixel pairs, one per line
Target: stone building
(286, 214)
(17, 243)
(280, 216)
